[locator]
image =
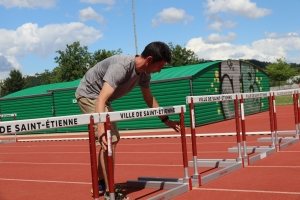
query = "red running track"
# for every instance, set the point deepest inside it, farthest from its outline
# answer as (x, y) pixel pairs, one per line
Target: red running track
(61, 170)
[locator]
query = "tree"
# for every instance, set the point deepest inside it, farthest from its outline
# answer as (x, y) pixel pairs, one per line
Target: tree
(15, 82)
(48, 77)
(296, 66)
(72, 62)
(280, 71)
(102, 54)
(33, 80)
(182, 56)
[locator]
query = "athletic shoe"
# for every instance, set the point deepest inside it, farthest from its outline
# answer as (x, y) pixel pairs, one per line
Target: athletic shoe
(101, 188)
(118, 194)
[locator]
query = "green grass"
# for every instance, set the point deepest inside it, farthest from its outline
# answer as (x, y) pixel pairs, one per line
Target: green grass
(284, 100)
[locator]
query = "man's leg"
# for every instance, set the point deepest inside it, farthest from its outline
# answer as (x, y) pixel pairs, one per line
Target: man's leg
(86, 106)
(102, 167)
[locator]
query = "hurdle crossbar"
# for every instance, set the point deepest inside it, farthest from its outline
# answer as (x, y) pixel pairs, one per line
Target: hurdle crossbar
(14, 115)
(287, 140)
(21, 126)
(144, 113)
(191, 100)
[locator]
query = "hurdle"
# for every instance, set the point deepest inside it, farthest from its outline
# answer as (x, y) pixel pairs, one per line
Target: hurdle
(14, 115)
(284, 142)
(263, 151)
(174, 186)
(20, 126)
(228, 165)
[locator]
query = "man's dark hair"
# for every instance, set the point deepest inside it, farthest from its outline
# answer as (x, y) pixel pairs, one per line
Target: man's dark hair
(158, 50)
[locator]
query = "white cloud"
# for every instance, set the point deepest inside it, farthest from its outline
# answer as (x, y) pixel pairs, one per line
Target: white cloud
(5, 65)
(217, 23)
(217, 38)
(99, 1)
(171, 16)
(28, 3)
(277, 36)
(237, 55)
(42, 41)
(8, 63)
(245, 8)
(109, 8)
(264, 50)
(90, 14)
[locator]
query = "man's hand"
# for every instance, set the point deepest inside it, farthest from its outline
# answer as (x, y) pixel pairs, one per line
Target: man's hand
(173, 124)
(102, 141)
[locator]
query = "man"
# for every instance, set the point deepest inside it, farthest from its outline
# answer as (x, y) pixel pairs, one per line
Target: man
(113, 78)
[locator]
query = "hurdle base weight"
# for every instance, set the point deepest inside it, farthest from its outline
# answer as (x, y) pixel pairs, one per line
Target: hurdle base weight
(251, 149)
(174, 186)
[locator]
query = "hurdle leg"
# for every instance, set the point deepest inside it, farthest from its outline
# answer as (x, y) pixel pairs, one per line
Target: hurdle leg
(295, 96)
(187, 179)
(277, 145)
(109, 156)
(93, 158)
(237, 123)
(194, 142)
(243, 130)
(271, 117)
(298, 112)
(15, 118)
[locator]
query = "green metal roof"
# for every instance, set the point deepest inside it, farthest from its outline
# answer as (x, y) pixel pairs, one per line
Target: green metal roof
(42, 89)
(168, 73)
(182, 72)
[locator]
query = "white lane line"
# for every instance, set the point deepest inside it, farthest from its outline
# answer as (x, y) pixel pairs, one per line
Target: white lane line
(273, 166)
(149, 136)
(21, 153)
(249, 191)
(37, 163)
(151, 152)
(142, 144)
(289, 151)
(44, 181)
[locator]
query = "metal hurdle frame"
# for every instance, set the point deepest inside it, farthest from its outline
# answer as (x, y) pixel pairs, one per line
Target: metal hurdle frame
(230, 165)
(20, 126)
(14, 115)
(287, 141)
(263, 150)
(175, 186)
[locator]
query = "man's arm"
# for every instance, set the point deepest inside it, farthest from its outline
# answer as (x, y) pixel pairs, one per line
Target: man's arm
(104, 95)
(152, 103)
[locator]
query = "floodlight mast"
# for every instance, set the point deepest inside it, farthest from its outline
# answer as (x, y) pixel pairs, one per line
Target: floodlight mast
(134, 27)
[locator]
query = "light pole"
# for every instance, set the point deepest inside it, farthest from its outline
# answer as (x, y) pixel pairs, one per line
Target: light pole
(134, 27)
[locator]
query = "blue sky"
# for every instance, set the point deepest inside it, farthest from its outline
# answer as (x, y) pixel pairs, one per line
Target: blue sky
(31, 31)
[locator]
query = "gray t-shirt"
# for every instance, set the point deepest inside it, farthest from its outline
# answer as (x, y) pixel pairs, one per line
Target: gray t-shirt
(118, 71)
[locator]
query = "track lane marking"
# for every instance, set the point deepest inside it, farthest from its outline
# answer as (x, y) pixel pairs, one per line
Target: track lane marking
(273, 166)
(44, 181)
(249, 191)
(88, 164)
(150, 152)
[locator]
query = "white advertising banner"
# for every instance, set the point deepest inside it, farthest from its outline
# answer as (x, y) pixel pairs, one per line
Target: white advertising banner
(18, 126)
(211, 98)
(142, 113)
